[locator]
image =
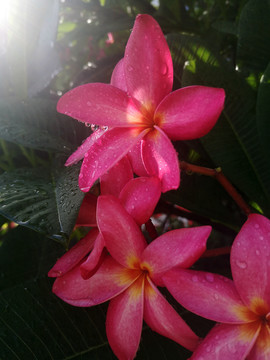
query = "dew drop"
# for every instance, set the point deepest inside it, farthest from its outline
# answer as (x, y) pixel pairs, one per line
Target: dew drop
(216, 296)
(257, 252)
(256, 226)
(130, 68)
(164, 69)
(241, 264)
(89, 103)
(195, 278)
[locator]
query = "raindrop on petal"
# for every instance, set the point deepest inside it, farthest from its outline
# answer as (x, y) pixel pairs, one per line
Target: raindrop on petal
(241, 264)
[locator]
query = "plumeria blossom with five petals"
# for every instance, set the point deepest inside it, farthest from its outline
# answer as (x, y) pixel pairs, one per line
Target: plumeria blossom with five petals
(141, 111)
(241, 307)
(129, 276)
(139, 197)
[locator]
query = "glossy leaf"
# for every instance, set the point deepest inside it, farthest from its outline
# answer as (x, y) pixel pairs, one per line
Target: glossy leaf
(36, 124)
(44, 199)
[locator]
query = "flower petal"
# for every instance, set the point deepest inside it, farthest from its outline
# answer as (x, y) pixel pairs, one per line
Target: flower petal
(123, 238)
(104, 154)
(148, 62)
(261, 348)
(135, 157)
(87, 213)
(109, 281)
(84, 148)
(209, 295)
(227, 342)
(181, 247)
(72, 257)
(118, 78)
(101, 104)
(160, 159)
(140, 197)
(190, 112)
(113, 181)
(250, 260)
(90, 265)
(124, 321)
(162, 318)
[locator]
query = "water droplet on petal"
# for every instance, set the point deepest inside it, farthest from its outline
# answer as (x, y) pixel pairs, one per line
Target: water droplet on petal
(241, 264)
(257, 252)
(195, 278)
(130, 68)
(256, 226)
(164, 69)
(89, 103)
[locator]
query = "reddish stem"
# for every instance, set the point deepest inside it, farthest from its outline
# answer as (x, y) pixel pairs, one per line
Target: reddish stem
(218, 174)
(216, 252)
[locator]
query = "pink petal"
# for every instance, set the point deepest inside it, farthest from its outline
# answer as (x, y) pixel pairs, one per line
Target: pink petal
(140, 197)
(250, 260)
(85, 147)
(190, 112)
(101, 104)
(113, 181)
(226, 342)
(123, 238)
(72, 257)
(209, 295)
(118, 78)
(91, 264)
(135, 157)
(104, 154)
(124, 321)
(261, 348)
(148, 63)
(87, 213)
(162, 318)
(180, 247)
(109, 281)
(160, 159)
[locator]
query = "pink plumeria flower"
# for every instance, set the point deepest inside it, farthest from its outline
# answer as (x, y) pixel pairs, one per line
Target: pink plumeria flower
(128, 277)
(241, 305)
(139, 197)
(138, 107)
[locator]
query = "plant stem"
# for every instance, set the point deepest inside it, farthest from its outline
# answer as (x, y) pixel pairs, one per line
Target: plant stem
(216, 252)
(218, 174)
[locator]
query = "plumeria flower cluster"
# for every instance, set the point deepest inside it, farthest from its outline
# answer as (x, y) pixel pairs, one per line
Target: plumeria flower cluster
(134, 118)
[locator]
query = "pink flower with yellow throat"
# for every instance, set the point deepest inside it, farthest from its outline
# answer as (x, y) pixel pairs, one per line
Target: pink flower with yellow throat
(141, 112)
(129, 277)
(241, 307)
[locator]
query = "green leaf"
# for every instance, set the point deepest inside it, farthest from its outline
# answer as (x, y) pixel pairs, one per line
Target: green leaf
(234, 143)
(35, 324)
(263, 112)
(253, 48)
(35, 123)
(46, 199)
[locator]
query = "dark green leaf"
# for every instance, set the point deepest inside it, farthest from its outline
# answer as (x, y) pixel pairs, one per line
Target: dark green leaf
(254, 35)
(46, 199)
(263, 111)
(36, 124)
(234, 142)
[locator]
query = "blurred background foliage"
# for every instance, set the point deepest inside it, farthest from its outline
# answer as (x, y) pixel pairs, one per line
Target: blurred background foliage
(50, 46)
